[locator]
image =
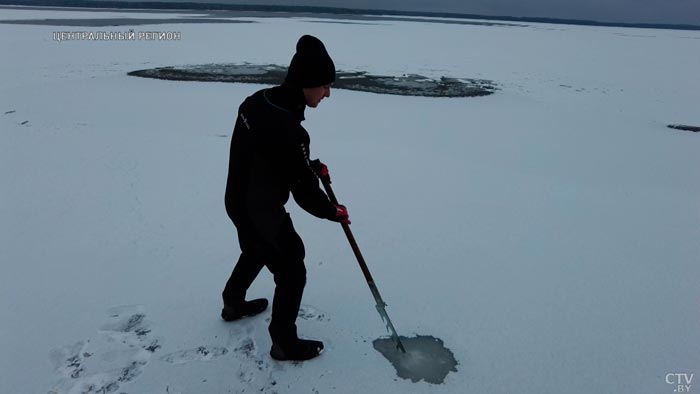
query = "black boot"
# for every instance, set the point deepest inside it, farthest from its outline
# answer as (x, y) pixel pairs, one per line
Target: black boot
(247, 308)
(299, 350)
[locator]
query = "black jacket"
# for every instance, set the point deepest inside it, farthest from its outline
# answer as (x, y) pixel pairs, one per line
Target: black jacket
(269, 159)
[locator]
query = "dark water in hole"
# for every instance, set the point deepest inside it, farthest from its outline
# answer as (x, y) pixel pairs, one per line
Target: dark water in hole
(426, 358)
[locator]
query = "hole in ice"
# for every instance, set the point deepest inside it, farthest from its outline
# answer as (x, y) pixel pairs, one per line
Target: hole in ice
(426, 358)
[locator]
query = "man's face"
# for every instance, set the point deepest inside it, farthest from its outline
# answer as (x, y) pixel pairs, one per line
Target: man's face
(314, 96)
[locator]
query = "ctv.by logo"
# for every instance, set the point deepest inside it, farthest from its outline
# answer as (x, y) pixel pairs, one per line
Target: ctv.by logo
(681, 381)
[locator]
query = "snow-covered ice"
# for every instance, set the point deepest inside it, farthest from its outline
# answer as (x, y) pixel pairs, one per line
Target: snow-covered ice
(547, 234)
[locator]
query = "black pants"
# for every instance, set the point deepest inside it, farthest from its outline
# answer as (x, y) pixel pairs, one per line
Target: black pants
(284, 257)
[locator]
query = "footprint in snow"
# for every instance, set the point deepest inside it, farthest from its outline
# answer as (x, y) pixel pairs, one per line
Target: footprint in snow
(118, 356)
(129, 326)
(256, 373)
(308, 312)
(68, 360)
(126, 322)
(201, 353)
(247, 347)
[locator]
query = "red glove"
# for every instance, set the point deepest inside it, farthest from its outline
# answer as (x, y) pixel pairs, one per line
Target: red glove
(341, 214)
(321, 170)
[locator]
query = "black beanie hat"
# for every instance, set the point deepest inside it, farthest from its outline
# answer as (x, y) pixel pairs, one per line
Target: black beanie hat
(311, 66)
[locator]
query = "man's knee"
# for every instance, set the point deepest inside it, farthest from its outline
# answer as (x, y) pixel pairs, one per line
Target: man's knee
(292, 276)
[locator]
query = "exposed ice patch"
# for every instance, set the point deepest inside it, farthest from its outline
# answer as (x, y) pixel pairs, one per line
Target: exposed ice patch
(272, 74)
(426, 358)
(683, 127)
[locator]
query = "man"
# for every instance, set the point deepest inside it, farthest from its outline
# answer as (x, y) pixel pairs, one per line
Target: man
(269, 159)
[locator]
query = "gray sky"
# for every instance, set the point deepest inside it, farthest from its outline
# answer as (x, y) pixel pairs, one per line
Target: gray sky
(632, 11)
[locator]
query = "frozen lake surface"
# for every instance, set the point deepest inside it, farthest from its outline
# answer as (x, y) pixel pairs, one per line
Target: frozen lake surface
(547, 233)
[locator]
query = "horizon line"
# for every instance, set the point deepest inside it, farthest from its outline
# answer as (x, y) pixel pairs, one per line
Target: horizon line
(170, 5)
